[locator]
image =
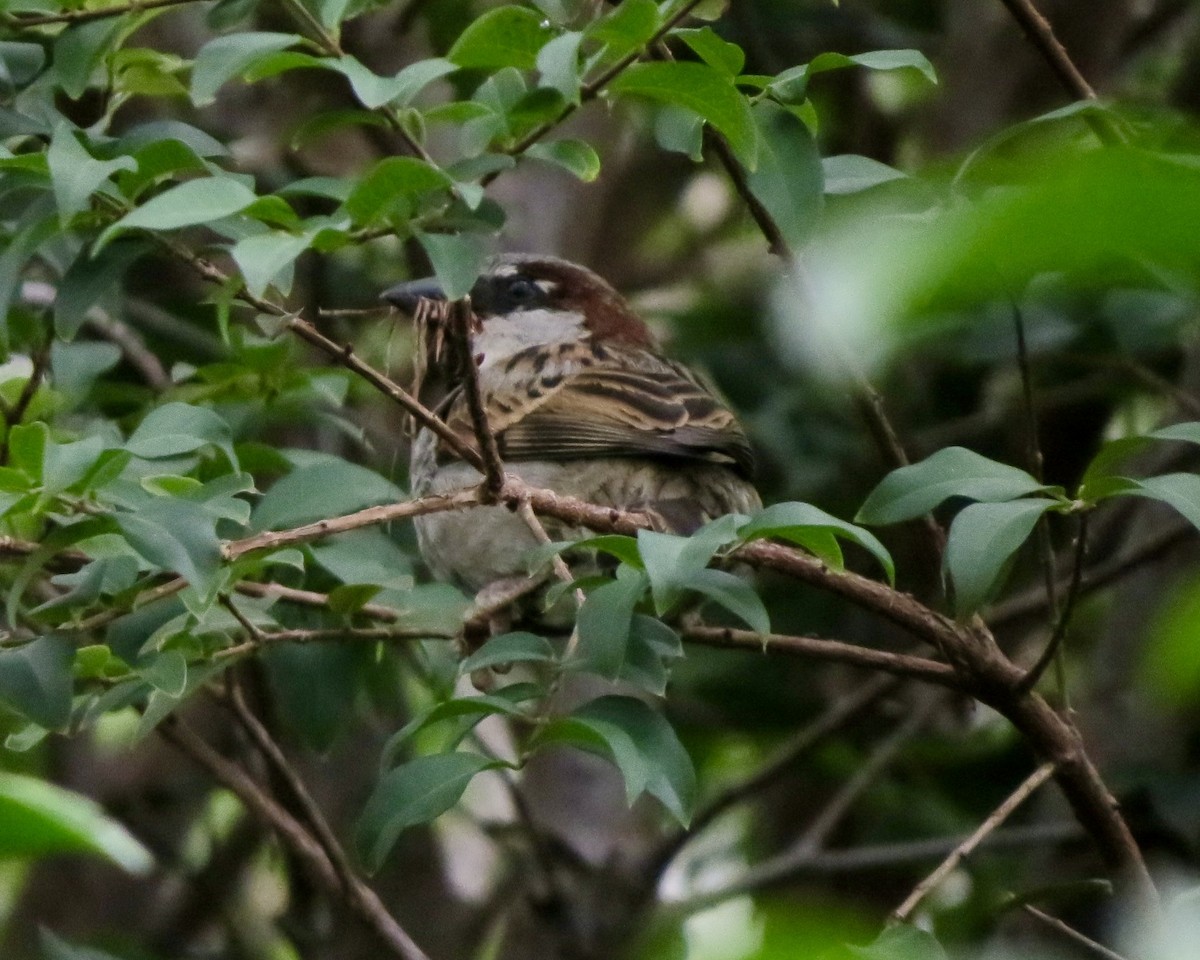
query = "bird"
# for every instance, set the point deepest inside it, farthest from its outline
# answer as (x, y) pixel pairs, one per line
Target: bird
(582, 401)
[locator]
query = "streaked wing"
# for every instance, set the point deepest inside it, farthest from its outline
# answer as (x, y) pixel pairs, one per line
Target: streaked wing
(613, 403)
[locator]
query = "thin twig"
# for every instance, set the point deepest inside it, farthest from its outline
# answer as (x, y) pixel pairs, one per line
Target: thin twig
(1054, 646)
(274, 755)
(835, 651)
(837, 715)
(865, 775)
(371, 516)
(268, 638)
(360, 898)
(462, 323)
(989, 825)
(1096, 949)
(882, 856)
(1037, 28)
(21, 20)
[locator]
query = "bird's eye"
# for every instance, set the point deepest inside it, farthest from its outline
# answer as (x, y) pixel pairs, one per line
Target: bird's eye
(523, 290)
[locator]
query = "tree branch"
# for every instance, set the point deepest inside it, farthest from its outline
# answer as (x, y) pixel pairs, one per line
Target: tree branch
(361, 899)
(994, 820)
(22, 21)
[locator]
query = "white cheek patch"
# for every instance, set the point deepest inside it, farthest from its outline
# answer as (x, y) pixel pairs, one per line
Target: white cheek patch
(504, 336)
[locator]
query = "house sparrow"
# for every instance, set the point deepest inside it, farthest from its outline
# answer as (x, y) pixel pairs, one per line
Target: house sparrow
(581, 402)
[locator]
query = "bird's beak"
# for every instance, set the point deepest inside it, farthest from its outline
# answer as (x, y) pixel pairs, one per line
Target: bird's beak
(407, 295)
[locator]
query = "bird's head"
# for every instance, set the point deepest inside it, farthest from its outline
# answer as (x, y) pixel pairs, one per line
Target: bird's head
(524, 300)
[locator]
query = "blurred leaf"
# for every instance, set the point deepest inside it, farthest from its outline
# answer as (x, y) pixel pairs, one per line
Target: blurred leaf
(796, 521)
(642, 744)
(508, 648)
(576, 156)
(791, 86)
(901, 943)
(982, 540)
(55, 948)
(507, 36)
(78, 51)
(850, 173)
(314, 688)
(416, 792)
(467, 711)
(35, 679)
(87, 280)
(914, 490)
(223, 58)
(185, 205)
(704, 91)
(20, 62)
(558, 63)
(789, 181)
(38, 819)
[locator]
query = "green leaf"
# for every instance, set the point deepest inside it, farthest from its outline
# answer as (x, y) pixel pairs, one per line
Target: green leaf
(35, 680)
(458, 259)
(576, 156)
(416, 792)
(901, 943)
(263, 257)
(374, 91)
(1178, 490)
(168, 672)
(323, 489)
(87, 280)
(795, 521)
(185, 205)
(20, 62)
(317, 713)
(640, 742)
(176, 428)
(64, 464)
(717, 53)
(176, 536)
(672, 562)
(982, 540)
(789, 180)
(1170, 662)
(392, 187)
(38, 819)
(850, 173)
(704, 91)
(734, 594)
(504, 37)
(516, 647)
(791, 86)
(914, 490)
(627, 27)
(75, 173)
(55, 948)
(604, 624)
(225, 57)
(558, 63)
(467, 712)
(79, 50)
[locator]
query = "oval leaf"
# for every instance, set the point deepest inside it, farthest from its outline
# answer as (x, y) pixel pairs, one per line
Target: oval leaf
(914, 490)
(982, 539)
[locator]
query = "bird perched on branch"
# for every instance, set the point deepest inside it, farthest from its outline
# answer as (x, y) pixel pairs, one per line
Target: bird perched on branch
(580, 401)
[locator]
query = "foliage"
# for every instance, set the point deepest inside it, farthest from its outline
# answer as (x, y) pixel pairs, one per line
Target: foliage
(181, 417)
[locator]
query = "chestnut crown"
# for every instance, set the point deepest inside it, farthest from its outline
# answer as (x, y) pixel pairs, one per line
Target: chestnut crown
(514, 284)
